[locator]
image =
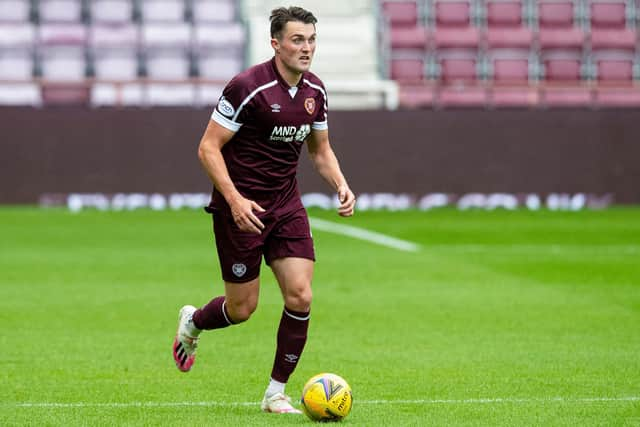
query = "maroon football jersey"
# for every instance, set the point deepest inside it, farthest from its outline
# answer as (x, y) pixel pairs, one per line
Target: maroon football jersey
(271, 121)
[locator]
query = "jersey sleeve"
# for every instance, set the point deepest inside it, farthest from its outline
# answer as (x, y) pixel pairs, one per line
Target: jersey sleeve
(231, 111)
(320, 121)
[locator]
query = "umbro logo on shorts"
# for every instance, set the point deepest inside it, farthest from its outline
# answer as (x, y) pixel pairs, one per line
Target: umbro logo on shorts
(239, 269)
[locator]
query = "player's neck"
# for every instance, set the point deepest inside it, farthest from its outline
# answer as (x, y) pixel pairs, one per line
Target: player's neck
(291, 77)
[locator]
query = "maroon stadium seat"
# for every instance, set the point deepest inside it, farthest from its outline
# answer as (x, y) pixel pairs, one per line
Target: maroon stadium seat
(401, 13)
(407, 69)
(65, 94)
(562, 66)
(505, 26)
(458, 67)
(608, 26)
(510, 75)
(409, 38)
(607, 14)
(566, 96)
(617, 97)
(454, 26)
(514, 96)
(624, 38)
(557, 25)
(462, 96)
(614, 67)
(509, 66)
(416, 96)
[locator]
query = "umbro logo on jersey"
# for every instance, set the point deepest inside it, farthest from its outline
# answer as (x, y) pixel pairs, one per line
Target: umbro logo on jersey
(275, 108)
(225, 107)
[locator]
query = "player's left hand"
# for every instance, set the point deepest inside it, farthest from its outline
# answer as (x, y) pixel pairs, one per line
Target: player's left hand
(347, 201)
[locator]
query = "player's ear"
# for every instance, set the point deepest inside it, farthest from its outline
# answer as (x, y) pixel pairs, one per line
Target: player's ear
(275, 44)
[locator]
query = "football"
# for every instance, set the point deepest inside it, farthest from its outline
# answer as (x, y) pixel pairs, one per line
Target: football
(326, 397)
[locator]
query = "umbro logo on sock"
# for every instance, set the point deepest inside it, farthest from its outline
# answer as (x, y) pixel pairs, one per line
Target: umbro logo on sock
(291, 358)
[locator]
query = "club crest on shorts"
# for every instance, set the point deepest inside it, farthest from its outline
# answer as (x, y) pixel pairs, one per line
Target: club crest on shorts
(239, 269)
(310, 105)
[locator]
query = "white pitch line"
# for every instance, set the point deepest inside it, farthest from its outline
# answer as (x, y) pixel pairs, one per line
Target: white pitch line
(362, 234)
(487, 401)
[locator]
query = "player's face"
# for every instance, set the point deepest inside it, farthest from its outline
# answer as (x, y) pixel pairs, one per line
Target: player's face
(296, 46)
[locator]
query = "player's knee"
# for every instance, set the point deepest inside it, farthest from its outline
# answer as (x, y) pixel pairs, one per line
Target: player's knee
(299, 299)
(241, 312)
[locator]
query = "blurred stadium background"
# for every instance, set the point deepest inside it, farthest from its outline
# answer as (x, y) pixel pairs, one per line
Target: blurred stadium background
(479, 102)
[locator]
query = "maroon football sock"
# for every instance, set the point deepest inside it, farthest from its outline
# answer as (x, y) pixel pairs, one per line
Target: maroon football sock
(292, 336)
(213, 315)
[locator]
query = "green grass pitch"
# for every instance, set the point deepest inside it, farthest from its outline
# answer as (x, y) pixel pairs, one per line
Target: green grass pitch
(500, 319)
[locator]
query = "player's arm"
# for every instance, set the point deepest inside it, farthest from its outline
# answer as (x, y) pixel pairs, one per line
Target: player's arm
(210, 154)
(326, 163)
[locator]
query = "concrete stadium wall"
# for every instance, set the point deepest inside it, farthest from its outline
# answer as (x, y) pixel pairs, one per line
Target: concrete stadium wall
(68, 150)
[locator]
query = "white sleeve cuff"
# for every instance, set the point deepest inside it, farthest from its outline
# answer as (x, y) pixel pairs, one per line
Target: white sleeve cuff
(320, 125)
(225, 122)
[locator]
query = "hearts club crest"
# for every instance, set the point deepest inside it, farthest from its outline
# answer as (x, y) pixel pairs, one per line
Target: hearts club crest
(310, 105)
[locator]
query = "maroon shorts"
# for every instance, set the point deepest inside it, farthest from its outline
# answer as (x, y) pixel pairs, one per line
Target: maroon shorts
(240, 252)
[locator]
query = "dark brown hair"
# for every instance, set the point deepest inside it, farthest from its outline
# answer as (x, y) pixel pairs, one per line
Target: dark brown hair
(280, 16)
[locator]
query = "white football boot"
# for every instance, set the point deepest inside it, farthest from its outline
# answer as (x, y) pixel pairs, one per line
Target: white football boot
(186, 342)
(278, 403)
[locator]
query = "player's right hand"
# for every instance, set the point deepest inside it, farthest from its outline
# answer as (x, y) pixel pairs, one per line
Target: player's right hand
(243, 213)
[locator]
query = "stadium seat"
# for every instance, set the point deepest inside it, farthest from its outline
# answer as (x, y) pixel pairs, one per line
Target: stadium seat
(613, 39)
(162, 10)
(509, 66)
(510, 75)
(129, 94)
(175, 34)
(416, 96)
(62, 34)
(513, 96)
(608, 26)
(407, 69)
(454, 25)
(208, 94)
(17, 42)
(219, 49)
(166, 50)
(170, 95)
(16, 64)
(60, 10)
(15, 10)
(216, 67)
(408, 39)
(608, 14)
(563, 66)
(614, 67)
(221, 36)
(113, 48)
(617, 97)
(461, 95)
(558, 26)
(214, 10)
(505, 25)
(403, 38)
(65, 94)
(401, 13)
(111, 11)
(167, 64)
(17, 94)
(457, 66)
(61, 51)
(566, 96)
